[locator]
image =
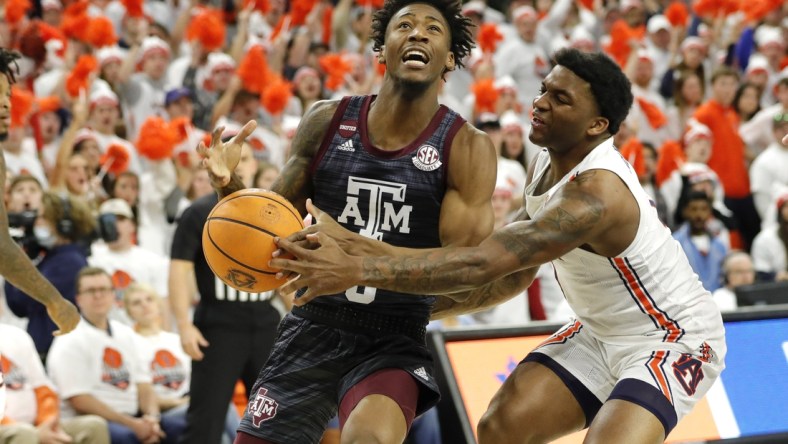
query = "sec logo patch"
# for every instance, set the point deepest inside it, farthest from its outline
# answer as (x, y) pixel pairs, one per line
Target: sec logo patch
(427, 158)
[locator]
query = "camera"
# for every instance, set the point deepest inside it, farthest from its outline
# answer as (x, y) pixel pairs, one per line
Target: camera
(20, 227)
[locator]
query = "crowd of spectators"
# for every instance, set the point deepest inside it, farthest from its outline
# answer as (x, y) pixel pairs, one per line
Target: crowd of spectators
(112, 98)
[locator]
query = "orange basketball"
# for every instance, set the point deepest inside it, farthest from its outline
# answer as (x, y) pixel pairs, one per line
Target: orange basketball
(238, 237)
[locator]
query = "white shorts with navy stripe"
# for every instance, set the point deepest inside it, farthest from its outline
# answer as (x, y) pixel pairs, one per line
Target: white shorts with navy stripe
(678, 376)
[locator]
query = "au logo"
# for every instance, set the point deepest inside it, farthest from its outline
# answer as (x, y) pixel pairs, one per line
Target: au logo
(270, 213)
(240, 279)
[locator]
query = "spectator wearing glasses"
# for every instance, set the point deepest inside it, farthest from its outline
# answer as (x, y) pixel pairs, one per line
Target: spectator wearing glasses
(97, 369)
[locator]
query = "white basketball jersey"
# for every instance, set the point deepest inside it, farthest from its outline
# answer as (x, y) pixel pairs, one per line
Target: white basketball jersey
(649, 290)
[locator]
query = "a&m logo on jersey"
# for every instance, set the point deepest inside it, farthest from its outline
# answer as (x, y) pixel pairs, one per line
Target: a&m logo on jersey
(427, 158)
(262, 407)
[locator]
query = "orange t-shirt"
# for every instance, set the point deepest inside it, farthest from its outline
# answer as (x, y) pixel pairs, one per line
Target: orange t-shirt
(727, 149)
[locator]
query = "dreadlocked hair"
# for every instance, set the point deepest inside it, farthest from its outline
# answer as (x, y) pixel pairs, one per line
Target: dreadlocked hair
(8, 64)
(459, 25)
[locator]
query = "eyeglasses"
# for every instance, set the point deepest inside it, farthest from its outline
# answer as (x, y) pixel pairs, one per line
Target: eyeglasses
(97, 291)
(781, 117)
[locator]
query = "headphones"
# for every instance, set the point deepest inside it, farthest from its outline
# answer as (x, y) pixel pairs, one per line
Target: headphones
(65, 226)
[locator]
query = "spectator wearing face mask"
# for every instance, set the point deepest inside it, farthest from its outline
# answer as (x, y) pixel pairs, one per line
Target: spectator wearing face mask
(61, 224)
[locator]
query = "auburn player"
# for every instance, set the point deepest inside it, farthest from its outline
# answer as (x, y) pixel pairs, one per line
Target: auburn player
(399, 168)
(15, 266)
(648, 341)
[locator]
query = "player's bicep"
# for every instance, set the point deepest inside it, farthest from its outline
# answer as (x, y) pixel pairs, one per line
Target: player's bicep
(294, 181)
(466, 211)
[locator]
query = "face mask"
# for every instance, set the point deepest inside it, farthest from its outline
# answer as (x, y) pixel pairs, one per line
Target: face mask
(44, 237)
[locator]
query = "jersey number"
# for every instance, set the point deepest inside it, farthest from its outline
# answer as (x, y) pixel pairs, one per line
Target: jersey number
(361, 297)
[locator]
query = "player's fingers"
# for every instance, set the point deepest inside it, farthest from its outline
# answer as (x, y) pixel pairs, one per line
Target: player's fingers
(202, 150)
(291, 248)
(292, 286)
(285, 265)
(314, 210)
(216, 136)
(245, 132)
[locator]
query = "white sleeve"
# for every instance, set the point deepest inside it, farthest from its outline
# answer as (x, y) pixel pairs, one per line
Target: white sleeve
(761, 254)
(69, 368)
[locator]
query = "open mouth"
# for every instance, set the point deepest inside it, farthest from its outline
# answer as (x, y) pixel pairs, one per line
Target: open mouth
(537, 122)
(415, 58)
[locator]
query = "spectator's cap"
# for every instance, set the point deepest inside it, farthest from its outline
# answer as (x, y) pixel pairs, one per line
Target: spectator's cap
(103, 96)
(656, 23)
(505, 83)
(510, 122)
(696, 130)
(476, 7)
(218, 61)
(757, 65)
(645, 55)
(693, 42)
(699, 172)
(580, 36)
(152, 45)
(523, 12)
(629, 4)
(768, 37)
(109, 54)
(304, 72)
(51, 5)
(84, 134)
(176, 94)
(488, 120)
(118, 207)
(782, 77)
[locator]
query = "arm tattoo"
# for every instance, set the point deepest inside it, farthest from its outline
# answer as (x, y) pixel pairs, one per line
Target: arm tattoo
(294, 181)
(481, 298)
(565, 224)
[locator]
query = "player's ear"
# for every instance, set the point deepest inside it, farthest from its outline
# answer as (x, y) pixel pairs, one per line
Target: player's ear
(382, 55)
(598, 126)
(450, 62)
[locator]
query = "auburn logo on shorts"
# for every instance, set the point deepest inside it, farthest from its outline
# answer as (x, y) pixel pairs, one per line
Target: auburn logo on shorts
(114, 371)
(262, 407)
(14, 378)
(167, 370)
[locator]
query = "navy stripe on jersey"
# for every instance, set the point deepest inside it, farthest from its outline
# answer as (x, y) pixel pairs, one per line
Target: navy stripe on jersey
(392, 196)
(644, 301)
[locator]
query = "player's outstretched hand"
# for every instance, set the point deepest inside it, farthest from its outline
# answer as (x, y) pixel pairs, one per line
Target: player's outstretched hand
(220, 159)
(64, 314)
(327, 269)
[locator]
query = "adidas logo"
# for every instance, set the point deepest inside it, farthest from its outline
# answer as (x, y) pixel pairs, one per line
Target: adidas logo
(347, 146)
(421, 373)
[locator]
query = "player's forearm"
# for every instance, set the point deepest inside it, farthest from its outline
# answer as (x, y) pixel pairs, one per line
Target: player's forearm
(20, 272)
(478, 299)
(180, 290)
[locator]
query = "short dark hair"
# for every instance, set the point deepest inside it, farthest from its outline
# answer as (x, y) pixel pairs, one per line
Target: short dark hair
(610, 87)
(89, 271)
(692, 196)
(459, 25)
(724, 71)
(8, 64)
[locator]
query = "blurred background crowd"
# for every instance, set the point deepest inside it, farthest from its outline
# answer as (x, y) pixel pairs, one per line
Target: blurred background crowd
(112, 98)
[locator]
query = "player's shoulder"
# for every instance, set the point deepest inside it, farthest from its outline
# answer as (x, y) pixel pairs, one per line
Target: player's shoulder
(322, 110)
(470, 137)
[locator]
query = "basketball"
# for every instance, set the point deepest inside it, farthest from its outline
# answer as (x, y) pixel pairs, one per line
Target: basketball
(238, 237)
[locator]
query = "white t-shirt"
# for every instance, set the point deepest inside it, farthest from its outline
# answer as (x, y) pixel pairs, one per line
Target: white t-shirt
(91, 361)
(170, 366)
(768, 176)
(25, 161)
(22, 373)
(768, 252)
